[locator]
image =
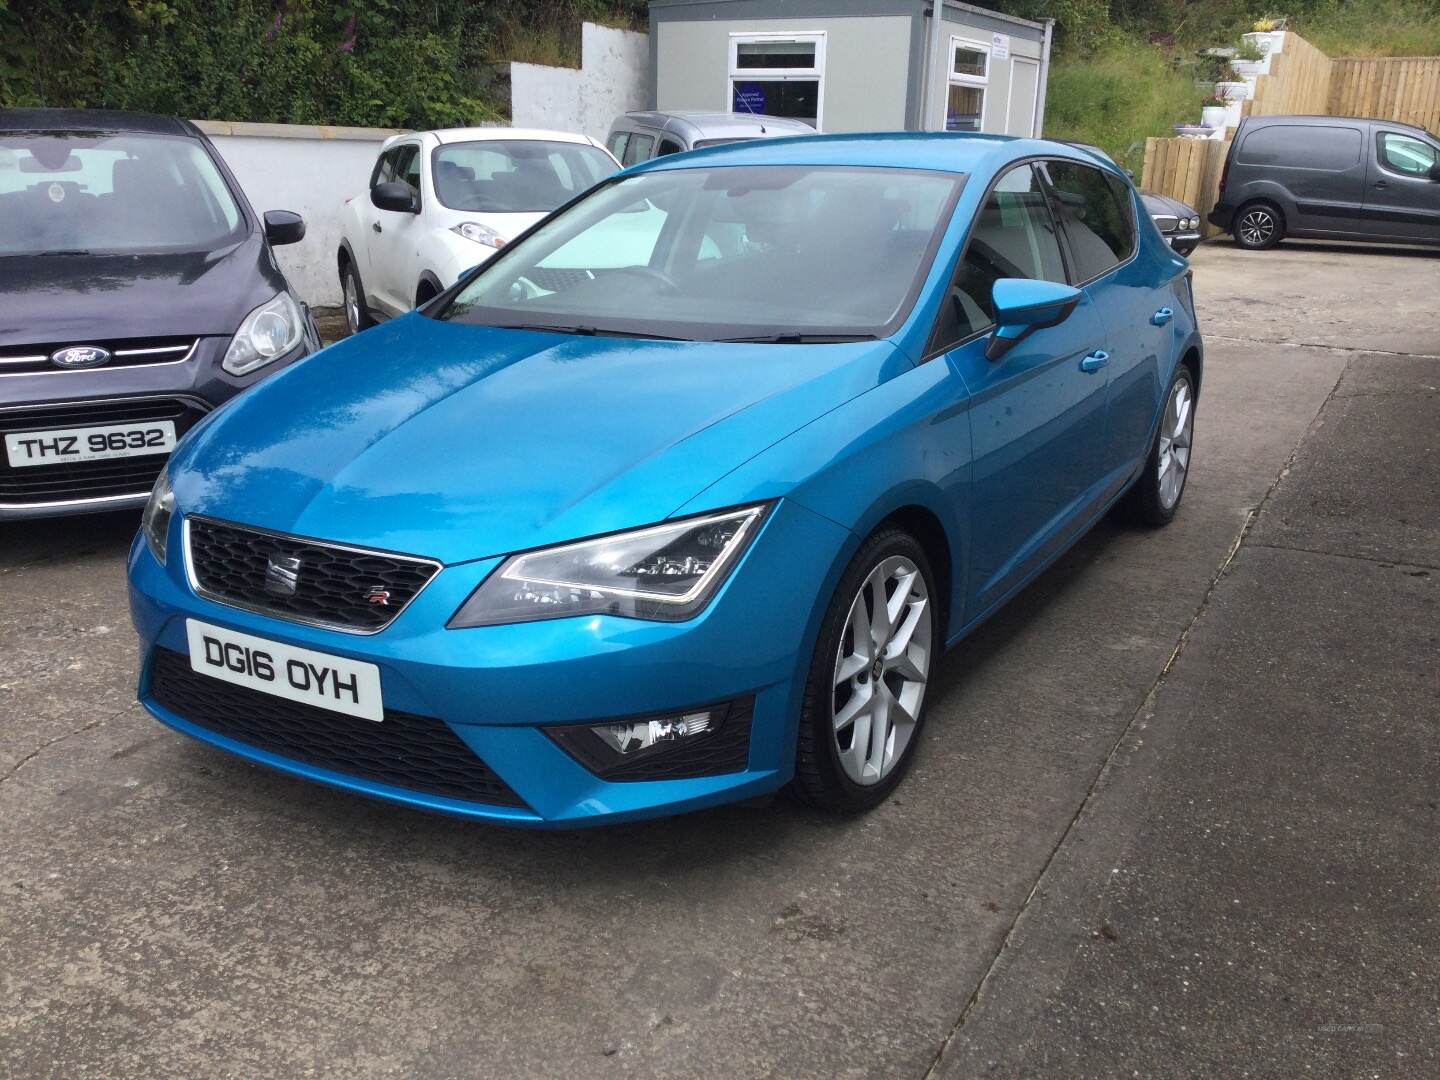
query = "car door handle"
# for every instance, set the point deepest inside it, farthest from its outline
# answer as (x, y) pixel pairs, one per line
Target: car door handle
(376, 226)
(1161, 317)
(1095, 361)
(1381, 184)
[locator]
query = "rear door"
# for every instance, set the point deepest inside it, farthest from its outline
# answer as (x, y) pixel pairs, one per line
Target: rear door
(1401, 201)
(1315, 172)
(1037, 421)
(1098, 220)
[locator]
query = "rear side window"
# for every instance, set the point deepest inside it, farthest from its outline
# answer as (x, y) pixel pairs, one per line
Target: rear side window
(1013, 236)
(1100, 228)
(1311, 146)
(617, 144)
(668, 146)
(1406, 155)
(638, 148)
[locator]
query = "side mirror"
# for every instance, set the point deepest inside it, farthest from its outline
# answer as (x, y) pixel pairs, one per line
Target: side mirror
(284, 227)
(1435, 172)
(1023, 306)
(395, 196)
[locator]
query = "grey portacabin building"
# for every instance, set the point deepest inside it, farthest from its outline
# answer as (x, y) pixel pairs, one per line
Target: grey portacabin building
(853, 65)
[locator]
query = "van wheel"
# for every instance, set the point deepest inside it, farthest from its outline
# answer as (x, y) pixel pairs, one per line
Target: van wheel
(357, 314)
(1258, 226)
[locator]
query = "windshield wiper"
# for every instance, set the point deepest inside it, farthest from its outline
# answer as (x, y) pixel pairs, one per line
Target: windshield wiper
(71, 251)
(585, 331)
(794, 337)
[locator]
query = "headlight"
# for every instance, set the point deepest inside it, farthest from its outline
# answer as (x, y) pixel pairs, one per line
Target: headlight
(481, 234)
(158, 512)
(1194, 223)
(268, 332)
(667, 572)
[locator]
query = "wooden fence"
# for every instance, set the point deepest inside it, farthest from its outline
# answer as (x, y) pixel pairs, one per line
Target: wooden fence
(1404, 88)
(1188, 170)
(1298, 82)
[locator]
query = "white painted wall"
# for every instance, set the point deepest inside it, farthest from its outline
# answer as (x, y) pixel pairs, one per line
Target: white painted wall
(310, 170)
(614, 77)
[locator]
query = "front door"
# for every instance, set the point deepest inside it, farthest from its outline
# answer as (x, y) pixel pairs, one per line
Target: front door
(1402, 202)
(1037, 420)
(397, 245)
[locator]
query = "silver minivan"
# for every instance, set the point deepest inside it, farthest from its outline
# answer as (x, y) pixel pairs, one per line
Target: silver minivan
(639, 136)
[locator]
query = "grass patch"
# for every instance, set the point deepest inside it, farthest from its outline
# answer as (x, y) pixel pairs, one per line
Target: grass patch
(1116, 97)
(1373, 28)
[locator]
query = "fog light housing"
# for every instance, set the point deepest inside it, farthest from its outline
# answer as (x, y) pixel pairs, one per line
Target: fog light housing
(703, 741)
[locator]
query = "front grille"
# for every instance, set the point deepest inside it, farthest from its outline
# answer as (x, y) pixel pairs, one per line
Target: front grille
(418, 753)
(64, 481)
(334, 586)
(124, 352)
(1166, 222)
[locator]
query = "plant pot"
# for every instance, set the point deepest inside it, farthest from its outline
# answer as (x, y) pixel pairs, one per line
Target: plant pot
(1234, 113)
(1270, 42)
(1214, 116)
(1250, 68)
(1235, 91)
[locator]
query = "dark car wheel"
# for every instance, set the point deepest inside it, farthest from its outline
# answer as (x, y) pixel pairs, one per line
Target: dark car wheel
(864, 698)
(1184, 249)
(1156, 493)
(357, 313)
(1258, 226)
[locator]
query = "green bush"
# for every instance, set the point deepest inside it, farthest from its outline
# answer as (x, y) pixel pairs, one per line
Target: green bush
(385, 63)
(1115, 97)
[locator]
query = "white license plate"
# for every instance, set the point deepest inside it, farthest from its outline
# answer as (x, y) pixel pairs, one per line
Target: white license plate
(314, 678)
(90, 443)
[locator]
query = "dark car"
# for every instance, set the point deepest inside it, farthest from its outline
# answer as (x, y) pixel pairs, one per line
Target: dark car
(1330, 178)
(138, 291)
(1178, 222)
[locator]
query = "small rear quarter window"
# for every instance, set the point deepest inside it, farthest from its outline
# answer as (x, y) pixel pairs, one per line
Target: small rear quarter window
(1307, 146)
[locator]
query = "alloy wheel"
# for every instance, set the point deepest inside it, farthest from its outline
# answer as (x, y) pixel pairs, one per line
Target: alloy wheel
(881, 669)
(1257, 226)
(1177, 429)
(352, 304)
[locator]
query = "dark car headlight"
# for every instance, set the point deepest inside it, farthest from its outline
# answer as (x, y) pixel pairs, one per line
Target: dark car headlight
(665, 572)
(155, 522)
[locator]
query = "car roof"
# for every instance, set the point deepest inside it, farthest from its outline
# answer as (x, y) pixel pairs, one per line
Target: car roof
(718, 125)
(1327, 121)
(943, 151)
(482, 134)
(109, 120)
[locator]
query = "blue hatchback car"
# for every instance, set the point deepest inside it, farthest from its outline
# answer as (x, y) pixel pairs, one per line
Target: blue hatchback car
(680, 497)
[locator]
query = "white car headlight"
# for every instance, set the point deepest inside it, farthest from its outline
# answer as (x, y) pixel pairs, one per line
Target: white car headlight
(268, 333)
(665, 572)
(481, 234)
(155, 522)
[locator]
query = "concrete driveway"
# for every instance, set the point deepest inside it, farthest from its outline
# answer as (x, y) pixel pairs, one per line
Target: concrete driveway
(1175, 814)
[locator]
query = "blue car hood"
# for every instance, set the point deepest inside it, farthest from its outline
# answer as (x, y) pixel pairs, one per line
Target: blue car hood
(461, 442)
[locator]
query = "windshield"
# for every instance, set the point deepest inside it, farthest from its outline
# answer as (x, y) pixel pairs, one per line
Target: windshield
(519, 177)
(111, 193)
(724, 253)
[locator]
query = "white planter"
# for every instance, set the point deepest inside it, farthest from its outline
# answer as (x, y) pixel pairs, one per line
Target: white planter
(1236, 91)
(1214, 116)
(1234, 113)
(1250, 68)
(1270, 42)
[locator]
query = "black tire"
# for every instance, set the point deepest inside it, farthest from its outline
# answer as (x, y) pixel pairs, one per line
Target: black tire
(1258, 225)
(1146, 502)
(357, 315)
(820, 779)
(424, 293)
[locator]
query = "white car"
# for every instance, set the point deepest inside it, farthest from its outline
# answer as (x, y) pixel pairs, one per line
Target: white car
(442, 202)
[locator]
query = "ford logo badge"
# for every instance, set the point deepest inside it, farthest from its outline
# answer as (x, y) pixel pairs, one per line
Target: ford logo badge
(79, 356)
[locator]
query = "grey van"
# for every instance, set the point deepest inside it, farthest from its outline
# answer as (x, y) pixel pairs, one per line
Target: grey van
(639, 136)
(1330, 178)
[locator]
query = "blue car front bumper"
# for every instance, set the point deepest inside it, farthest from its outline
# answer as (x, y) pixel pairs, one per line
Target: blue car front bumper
(498, 687)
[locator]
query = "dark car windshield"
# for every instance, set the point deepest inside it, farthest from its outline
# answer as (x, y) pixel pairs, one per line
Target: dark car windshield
(718, 253)
(105, 192)
(526, 176)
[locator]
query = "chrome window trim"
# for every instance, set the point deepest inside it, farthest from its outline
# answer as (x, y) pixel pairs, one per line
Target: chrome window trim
(270, 613)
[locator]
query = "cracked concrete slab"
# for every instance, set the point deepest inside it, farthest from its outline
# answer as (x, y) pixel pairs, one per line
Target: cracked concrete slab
(166, 910)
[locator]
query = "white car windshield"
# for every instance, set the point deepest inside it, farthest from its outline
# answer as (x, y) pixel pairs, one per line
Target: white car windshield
(111, 193)
(523, 176)
(742, 252)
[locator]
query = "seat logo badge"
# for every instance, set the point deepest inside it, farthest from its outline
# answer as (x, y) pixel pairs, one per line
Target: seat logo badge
(378, 594)
(282, 575)
(77, 357)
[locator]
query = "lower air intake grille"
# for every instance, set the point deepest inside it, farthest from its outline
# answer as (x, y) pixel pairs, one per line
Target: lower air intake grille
(418, 753)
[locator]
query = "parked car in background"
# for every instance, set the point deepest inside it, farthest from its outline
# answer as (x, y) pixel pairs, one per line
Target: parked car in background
(640, 136)
(1330, 178)
(580, 544)
(138, 291)
(1178, 222)
(441, 202)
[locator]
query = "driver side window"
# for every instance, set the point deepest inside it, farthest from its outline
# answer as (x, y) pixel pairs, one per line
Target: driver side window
(1405, 155)
(1013, 236)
